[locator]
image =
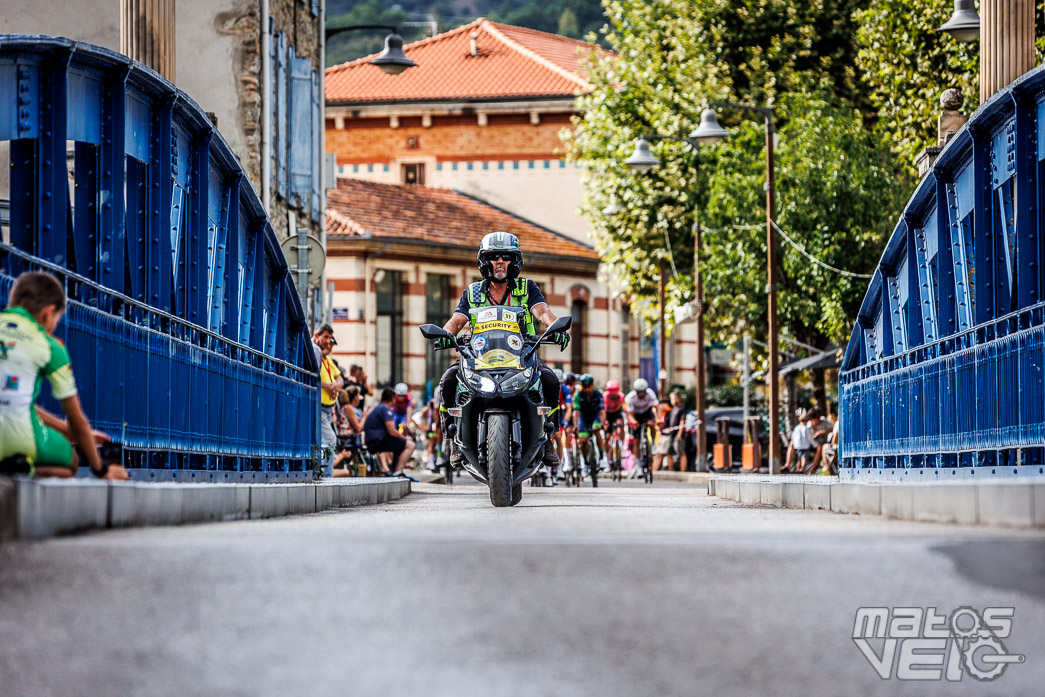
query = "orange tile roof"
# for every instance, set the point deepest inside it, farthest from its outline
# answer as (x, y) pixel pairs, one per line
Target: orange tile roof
(511, 62)
(428, 216)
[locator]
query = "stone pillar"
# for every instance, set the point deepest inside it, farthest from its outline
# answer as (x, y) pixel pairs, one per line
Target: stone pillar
(147, 33)
(1006, 43)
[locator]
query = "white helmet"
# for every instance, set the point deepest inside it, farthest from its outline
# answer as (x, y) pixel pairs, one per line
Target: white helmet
(401, 389)
(640, 385)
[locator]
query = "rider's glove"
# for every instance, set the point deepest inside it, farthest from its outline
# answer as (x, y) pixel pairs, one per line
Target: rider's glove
(445, 342)
(562, 339)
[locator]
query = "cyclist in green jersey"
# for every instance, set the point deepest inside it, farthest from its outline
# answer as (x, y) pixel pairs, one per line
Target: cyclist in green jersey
(33, 441)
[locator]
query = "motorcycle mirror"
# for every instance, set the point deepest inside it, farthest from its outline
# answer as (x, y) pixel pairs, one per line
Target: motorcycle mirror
(434, 331)
(560, 324)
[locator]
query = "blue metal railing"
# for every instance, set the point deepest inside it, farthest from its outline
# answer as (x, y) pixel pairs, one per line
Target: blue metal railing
(185, 330)
(943, 374)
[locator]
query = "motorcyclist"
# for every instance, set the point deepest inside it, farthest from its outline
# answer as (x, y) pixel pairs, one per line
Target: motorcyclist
(500, 262)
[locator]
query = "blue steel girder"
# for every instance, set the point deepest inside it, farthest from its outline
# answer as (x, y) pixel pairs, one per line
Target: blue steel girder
(957, 378)
(115, 177)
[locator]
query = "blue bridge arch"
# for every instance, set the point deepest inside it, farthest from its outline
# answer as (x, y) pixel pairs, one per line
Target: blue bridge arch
(944, 374)
(186, 333)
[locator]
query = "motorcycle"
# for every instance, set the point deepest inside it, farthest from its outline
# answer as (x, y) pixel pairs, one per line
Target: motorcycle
(500, 423)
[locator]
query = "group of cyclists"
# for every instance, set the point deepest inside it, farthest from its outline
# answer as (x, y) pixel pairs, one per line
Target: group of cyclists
(610, 415)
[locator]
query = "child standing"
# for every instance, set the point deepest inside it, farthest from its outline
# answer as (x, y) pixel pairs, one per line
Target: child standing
(28, 353)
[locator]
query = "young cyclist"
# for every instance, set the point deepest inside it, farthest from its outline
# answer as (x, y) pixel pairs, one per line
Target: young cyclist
(33, 441)
(588, 413)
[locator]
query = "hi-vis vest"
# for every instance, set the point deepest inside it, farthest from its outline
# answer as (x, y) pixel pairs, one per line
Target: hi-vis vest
(519, 298)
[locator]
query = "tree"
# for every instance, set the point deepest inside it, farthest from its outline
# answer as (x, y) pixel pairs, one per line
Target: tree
(837, 190)
(907, 64)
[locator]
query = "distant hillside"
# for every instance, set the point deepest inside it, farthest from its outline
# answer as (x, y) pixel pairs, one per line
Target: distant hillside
(574, 18)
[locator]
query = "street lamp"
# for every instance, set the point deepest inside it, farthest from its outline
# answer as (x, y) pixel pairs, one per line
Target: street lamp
(771, 264)
(393, 59)
(642, 160)
(964, 24)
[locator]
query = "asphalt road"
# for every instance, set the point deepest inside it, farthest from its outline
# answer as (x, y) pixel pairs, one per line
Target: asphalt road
(626, 590)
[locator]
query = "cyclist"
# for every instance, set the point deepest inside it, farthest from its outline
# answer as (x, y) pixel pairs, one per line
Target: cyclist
(568, 384)
(614, 402)
(402, 405)
(588, 413)
(641, 404)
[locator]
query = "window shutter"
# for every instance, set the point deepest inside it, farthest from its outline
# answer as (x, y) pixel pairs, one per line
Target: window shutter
(317, 125)
(279, 150)
(301, 129)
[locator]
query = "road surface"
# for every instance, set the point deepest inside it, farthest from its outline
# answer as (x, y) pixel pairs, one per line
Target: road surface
(625, 590)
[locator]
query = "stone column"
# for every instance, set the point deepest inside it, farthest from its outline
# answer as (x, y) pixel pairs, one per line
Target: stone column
(147, 33)
(1006, 43)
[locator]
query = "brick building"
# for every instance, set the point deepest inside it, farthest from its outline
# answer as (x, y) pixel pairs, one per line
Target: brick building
(478, 120)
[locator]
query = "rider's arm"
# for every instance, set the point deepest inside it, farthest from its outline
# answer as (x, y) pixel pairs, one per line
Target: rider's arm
(456, 323)
(543, 314)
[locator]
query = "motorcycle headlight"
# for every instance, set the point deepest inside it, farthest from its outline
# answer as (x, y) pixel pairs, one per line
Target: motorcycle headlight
(517, 381)
(469, 375)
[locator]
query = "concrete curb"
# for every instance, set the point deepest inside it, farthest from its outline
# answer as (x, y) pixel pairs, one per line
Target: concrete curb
(35, 509)
(1013, 503)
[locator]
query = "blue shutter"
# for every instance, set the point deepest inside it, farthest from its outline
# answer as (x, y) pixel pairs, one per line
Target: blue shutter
(300, 136)
(317, 156)
(279, 151)
(315, 8)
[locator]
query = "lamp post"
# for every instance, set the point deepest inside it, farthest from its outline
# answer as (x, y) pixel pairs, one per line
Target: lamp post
(392, 60)
(641, 160)
(771, 274)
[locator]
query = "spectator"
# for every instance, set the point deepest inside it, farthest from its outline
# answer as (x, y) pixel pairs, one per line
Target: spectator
(381, 435)
(331, 383)
(34, 441)
(671, 444)
(802, 448)
(357, 377)
(690, 427)
(348, 419)
(826, 457)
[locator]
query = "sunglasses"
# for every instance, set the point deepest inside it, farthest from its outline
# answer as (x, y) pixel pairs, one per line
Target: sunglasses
(500, 257)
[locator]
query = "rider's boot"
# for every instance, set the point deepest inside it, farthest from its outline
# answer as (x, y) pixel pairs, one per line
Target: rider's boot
(551, 458)
(450, 451)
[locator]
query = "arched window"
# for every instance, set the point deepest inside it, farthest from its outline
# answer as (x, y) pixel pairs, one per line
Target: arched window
(579, 312)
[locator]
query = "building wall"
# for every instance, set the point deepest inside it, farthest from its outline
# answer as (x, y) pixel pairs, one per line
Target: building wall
(510, 162)
(91, 21)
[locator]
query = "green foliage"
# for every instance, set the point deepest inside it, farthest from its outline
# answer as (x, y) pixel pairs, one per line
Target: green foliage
(908, 64)
(838, 193)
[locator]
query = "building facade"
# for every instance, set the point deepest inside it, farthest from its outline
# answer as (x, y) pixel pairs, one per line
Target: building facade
(481, 115)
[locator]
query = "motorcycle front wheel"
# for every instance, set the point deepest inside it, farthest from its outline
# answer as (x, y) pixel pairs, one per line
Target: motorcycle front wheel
(499, 460)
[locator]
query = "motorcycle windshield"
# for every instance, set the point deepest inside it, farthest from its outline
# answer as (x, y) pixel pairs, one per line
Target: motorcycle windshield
(497, 337)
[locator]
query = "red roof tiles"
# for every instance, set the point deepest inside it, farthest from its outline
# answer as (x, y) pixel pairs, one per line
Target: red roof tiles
(510, 62)
(432, 216)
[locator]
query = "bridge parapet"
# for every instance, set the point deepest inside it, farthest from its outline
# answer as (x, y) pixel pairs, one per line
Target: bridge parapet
(944, 374)
(186, 332)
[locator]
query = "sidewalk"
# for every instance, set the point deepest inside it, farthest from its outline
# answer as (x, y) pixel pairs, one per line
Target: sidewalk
(40, 508)
(1017, 502)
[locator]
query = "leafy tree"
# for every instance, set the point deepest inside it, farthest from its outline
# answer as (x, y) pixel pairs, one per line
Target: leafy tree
(837, 192)
(907, 64)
